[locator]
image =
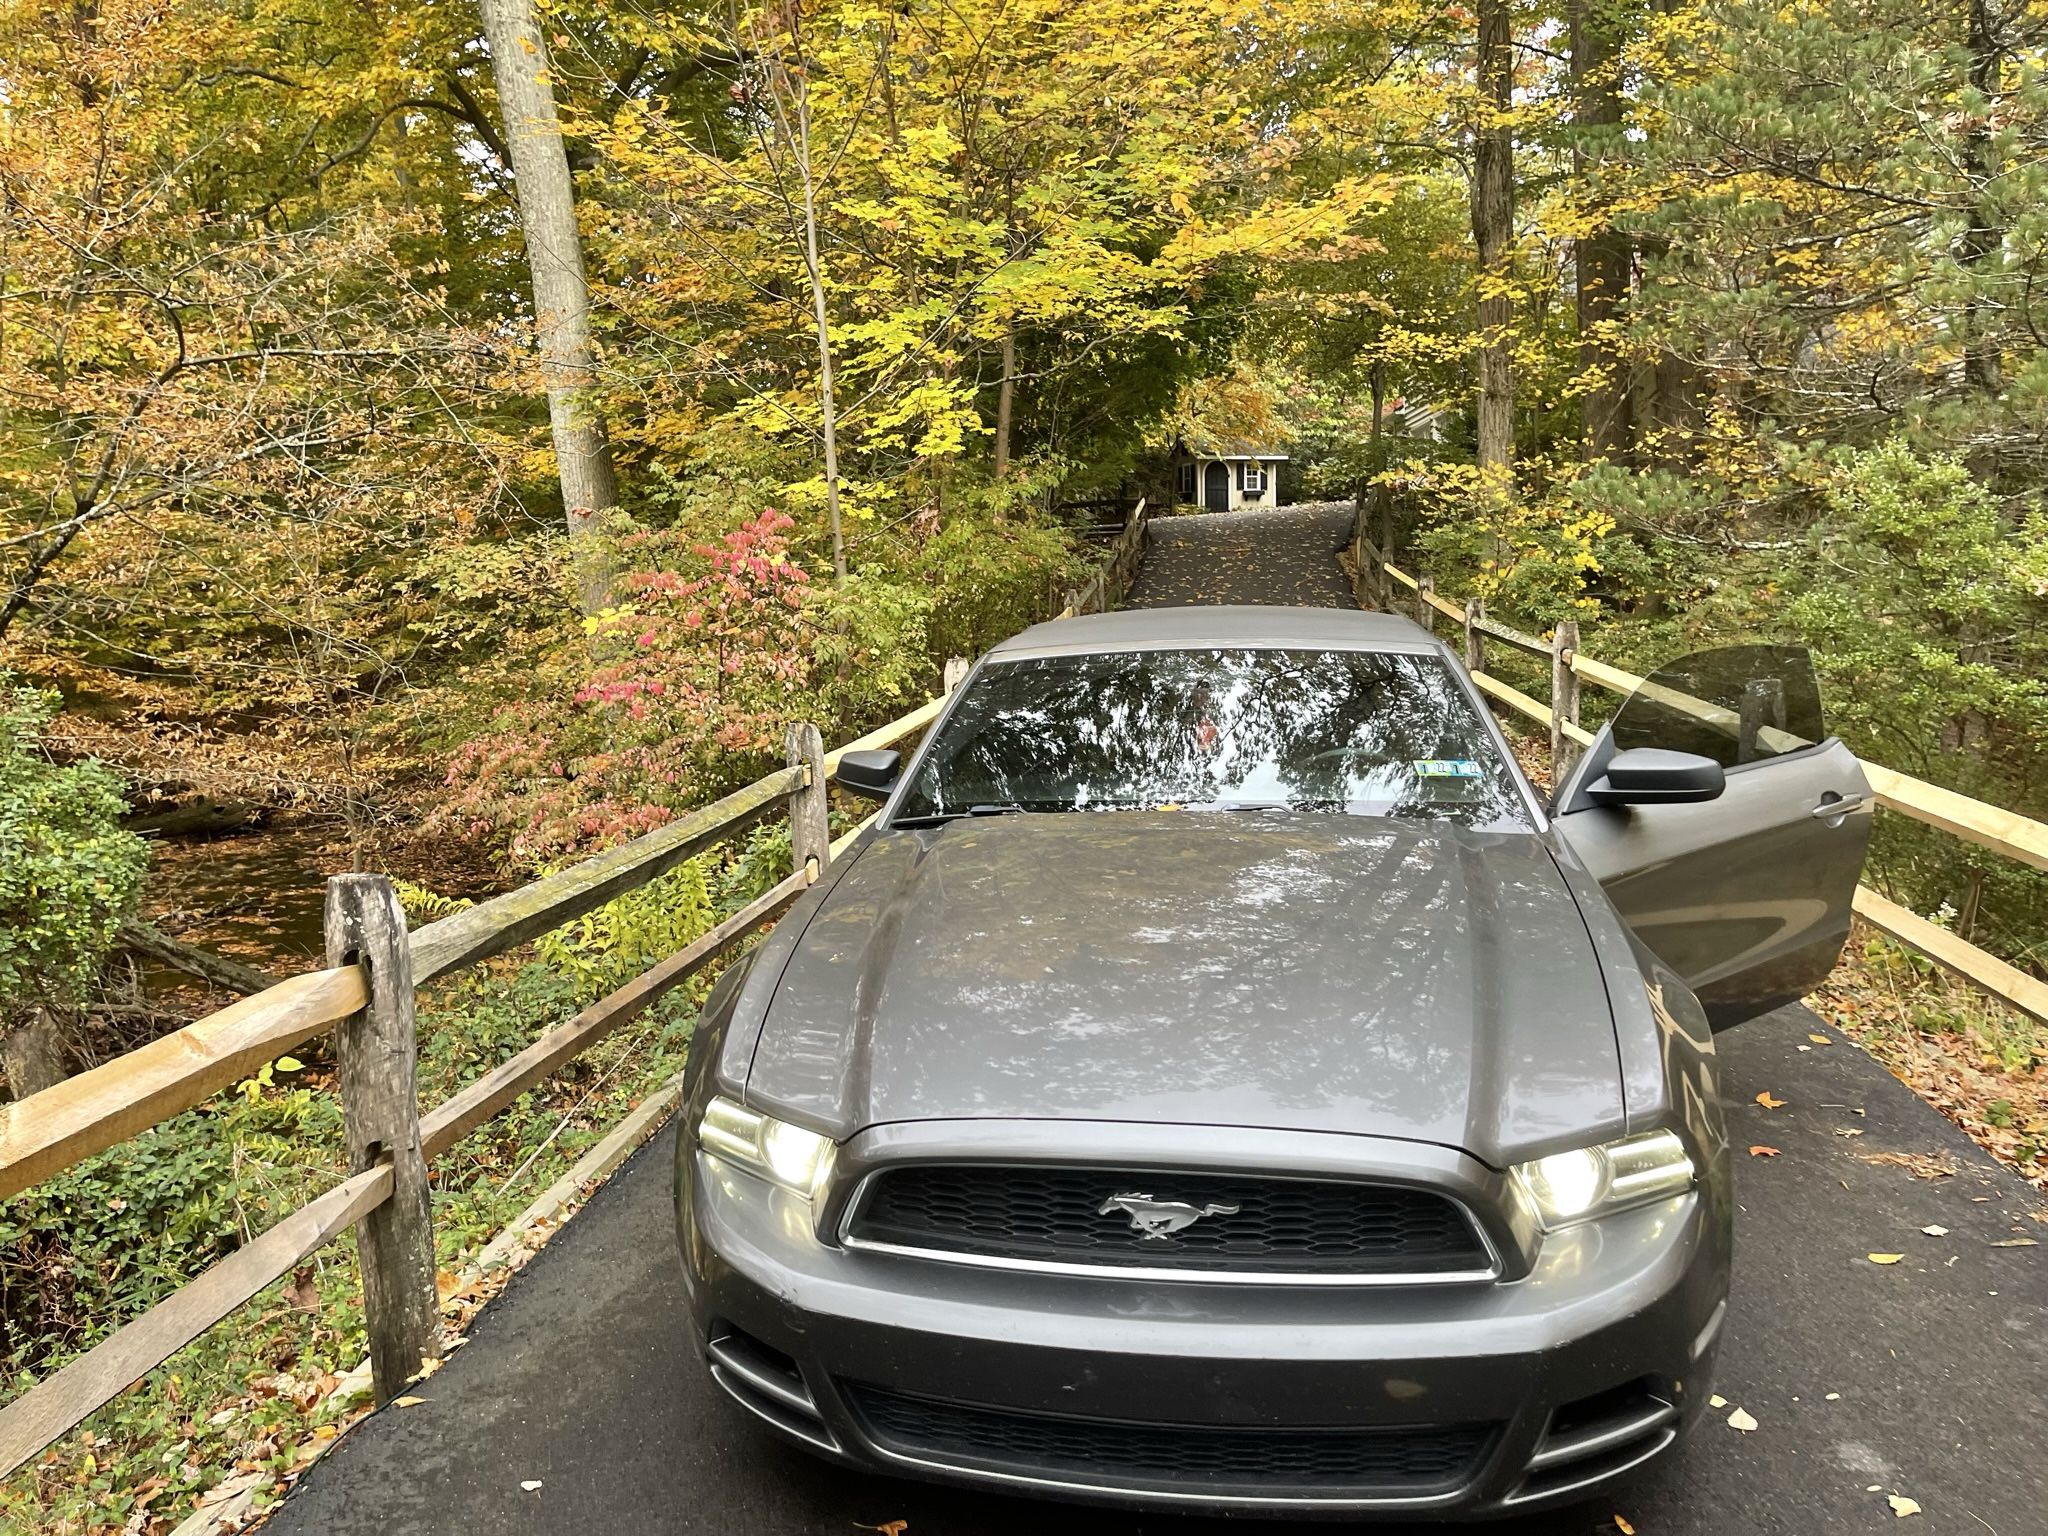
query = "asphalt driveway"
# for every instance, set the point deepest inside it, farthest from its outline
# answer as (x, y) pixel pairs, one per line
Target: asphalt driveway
(1286, 556)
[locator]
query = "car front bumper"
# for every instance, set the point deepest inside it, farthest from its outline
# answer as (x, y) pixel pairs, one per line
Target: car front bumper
(1467, 1400)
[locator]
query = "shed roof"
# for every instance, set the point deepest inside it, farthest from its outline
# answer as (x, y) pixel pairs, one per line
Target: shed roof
(1229, 445)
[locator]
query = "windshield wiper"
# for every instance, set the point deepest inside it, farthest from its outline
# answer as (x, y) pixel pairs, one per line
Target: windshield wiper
(938, 818)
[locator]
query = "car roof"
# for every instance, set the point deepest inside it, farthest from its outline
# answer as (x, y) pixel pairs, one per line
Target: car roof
(1246, 626)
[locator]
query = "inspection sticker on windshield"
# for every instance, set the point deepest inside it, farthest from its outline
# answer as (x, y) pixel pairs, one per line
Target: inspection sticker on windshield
(1446, 768)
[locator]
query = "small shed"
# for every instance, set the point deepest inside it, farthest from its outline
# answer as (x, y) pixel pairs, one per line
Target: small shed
(1220, 473)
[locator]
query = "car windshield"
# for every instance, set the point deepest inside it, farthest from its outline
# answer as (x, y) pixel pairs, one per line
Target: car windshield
(1363, 732)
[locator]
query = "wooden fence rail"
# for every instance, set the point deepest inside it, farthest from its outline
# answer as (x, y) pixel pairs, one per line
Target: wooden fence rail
(366, 995)
(385, 1199)
(2004, 832)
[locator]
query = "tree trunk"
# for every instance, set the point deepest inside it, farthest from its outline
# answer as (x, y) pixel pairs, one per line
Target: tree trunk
(561, 291)
(1493, 222)
(1375, 450)
(1983, 370)
(1006, 399)
(1605, 259)
(35, 1054)
(215, 970)
(814, 269)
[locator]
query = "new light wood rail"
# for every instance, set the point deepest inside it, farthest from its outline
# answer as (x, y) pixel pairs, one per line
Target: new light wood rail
(1383, 584)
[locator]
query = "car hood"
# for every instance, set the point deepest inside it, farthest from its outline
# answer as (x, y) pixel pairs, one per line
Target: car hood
(1310, 972)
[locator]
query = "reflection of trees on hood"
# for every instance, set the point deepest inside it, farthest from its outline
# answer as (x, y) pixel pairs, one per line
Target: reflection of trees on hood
(1306, 730)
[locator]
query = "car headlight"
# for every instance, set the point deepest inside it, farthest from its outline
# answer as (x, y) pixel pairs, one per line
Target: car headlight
(1569, 1187)
(797, 1159)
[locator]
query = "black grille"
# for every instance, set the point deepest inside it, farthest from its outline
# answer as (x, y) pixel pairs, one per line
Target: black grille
(1360, 1462)
(1280, 1225)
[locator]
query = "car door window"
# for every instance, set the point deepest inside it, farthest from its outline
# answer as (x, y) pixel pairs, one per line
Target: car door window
(1748, 895)
(1737, 704)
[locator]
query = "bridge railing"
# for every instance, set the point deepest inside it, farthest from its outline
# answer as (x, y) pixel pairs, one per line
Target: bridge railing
(366, 995)
(1381, 584)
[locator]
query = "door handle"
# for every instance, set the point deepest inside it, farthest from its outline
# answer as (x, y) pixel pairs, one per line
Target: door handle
(1834, 807)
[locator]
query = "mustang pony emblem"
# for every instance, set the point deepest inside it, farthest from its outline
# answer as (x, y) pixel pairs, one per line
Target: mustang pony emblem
(1160, 1218)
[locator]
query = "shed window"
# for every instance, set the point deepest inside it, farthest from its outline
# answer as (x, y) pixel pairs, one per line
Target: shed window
(1187, 481)
(1252, 477)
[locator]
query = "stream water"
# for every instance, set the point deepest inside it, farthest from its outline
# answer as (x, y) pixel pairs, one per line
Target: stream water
(258, 896)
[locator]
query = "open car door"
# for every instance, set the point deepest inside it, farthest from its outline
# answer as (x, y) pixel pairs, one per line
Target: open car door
(1746, 895)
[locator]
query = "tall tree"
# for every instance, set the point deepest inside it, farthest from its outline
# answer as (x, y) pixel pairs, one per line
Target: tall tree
(1984, 240)
(1493, 231)
(1603, 255)
(561, 290)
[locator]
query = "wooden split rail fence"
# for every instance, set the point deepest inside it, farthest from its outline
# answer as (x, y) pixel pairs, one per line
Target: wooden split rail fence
(366, 995)
(1381, 584)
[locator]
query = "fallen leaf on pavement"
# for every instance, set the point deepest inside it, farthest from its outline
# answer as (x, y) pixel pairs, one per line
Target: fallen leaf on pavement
(1624, 1527)
(890, 1528)
(408, 1402)
(1820, 1039)
(1763, 1151)
(1848, 1131)
(1717, 1401)
(531, 1487)
(1937, 1230)
(1902, 1506)
(1768, 1101)
(2017, 1242)
(1884, 1258)
(1742, 1419)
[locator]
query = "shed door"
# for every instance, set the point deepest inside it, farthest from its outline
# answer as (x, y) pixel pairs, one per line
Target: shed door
(1216, 487)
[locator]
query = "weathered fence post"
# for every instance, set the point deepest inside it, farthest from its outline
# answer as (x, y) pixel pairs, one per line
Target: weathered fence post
(1475, 644)
(810, 830)
(1763, 704)
(377, 1051)
(1424, 614)
(1372, 568)
(1564, 700)
(957, 668)
(1361, 577)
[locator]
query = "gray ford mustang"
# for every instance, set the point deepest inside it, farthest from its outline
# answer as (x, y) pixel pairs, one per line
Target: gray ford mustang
(1219, 1081)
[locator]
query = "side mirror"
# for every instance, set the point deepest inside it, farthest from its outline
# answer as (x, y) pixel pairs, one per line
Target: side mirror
(1653, 776)
(871, 775)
